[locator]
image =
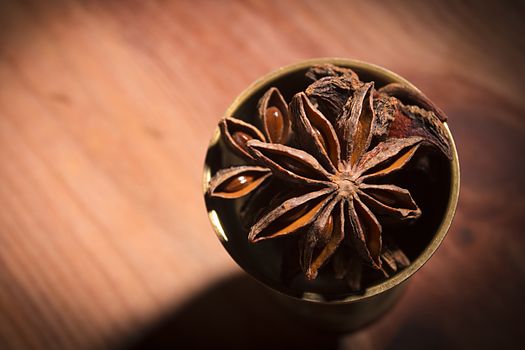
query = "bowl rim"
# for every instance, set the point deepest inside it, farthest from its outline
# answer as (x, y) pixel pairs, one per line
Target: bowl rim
(444, 226)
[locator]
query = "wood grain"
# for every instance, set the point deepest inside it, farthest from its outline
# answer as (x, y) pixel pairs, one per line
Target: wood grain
(106, 108)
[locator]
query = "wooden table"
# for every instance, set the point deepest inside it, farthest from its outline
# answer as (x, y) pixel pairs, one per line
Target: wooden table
(106, 109)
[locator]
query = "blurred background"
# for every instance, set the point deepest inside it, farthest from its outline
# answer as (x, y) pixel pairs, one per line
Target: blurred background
(106, 110)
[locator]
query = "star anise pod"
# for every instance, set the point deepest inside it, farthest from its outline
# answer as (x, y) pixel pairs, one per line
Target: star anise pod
(333, 168)
(340, 196)
(238, 181)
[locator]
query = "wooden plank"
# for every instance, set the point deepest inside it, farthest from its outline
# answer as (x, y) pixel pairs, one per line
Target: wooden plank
(106, 109)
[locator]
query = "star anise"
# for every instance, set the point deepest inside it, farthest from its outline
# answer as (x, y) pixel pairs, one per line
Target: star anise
(238, 181)
(347, 139)
(340, 194)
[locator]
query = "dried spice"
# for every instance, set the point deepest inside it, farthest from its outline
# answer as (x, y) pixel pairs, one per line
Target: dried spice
(238, 181)
(347, 139)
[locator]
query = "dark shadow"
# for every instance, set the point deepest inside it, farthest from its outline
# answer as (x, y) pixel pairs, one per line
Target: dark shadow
(419, 335)
(235, 313)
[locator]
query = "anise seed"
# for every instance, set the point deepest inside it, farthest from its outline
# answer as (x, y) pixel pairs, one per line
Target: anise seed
(275, 123)
(241, 138)
(238, 183)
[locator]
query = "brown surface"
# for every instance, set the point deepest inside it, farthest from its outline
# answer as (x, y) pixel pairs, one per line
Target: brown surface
(106, 109)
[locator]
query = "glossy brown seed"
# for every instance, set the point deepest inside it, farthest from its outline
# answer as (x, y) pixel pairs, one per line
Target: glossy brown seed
(236, 182)
(275, 124)
(236, 133)
(241, 138)
(273, 113)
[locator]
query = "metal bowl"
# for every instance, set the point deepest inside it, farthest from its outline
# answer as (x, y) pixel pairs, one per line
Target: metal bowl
(347, 311)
